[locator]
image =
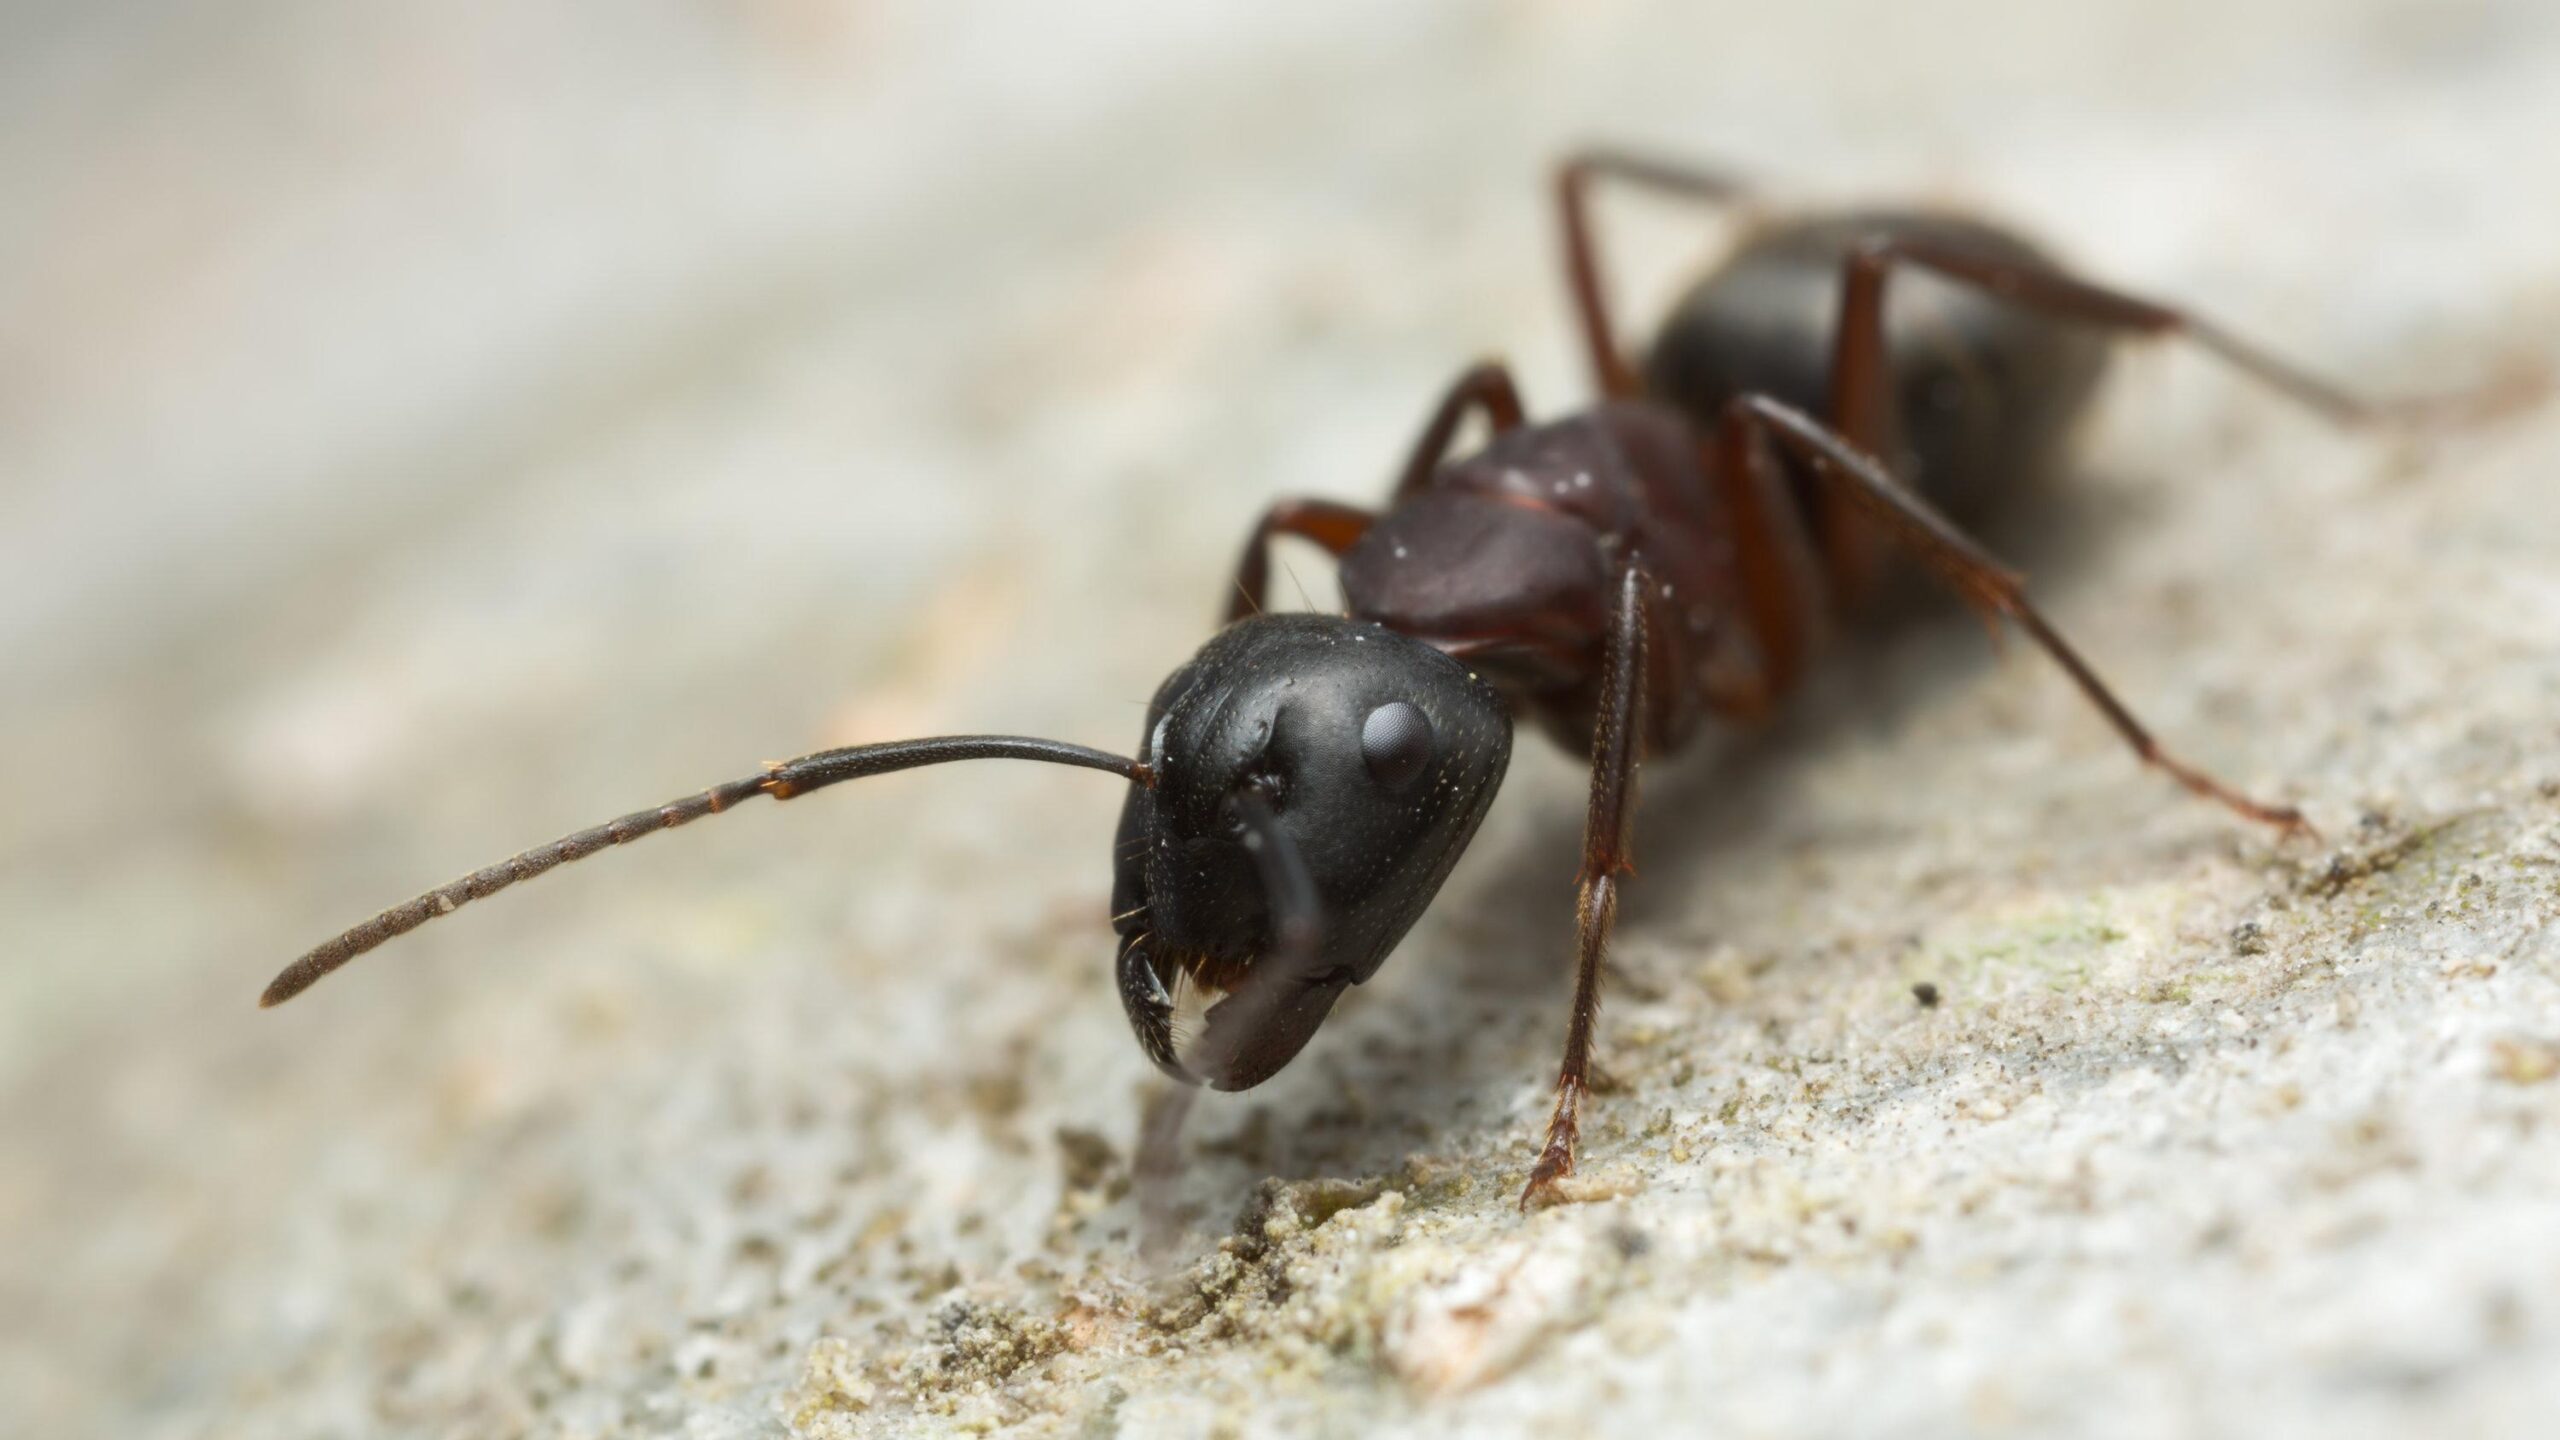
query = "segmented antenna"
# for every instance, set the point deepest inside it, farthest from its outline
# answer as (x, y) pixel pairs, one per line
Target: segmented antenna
(782, 781)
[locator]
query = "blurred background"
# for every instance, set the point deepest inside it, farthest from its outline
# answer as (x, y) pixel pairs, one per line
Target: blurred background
(425, 429)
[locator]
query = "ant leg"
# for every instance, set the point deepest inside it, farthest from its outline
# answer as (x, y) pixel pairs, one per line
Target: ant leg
(1862, 404)
(1609, 368)
(1860, 372)
(1156, 1166)
(1992, 590)
(1336, 527)
(1485, 385)
(1607, 856)
(1782, 586)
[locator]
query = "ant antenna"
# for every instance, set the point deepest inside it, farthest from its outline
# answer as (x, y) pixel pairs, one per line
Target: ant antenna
(781, 780)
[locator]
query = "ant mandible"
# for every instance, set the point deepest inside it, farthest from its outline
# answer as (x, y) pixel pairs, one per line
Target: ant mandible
(1676, 550)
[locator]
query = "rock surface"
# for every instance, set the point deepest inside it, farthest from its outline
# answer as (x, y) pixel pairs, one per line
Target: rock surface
(429, 432)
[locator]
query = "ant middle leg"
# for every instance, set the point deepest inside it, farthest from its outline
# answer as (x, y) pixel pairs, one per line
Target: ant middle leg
(1607, 858)
(1783, 592)
(1861, 480)
(1610, 370)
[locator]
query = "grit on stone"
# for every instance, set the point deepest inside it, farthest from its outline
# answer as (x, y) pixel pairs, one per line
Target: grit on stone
(430, 429)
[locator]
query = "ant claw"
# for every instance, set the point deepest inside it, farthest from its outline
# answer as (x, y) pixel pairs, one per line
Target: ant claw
(1554, 1165)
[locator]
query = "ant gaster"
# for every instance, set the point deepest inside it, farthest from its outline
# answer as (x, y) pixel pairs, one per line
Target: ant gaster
(1674, 552)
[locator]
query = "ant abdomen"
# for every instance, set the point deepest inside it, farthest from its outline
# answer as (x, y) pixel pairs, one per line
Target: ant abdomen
(1985, 391)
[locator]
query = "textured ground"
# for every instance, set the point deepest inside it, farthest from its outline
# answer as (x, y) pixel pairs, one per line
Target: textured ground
(424, 433)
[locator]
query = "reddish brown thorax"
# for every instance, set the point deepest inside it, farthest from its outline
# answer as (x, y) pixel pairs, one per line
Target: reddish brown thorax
(1509, 560)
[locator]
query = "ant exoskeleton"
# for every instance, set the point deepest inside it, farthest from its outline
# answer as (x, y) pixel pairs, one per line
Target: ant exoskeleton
(1305, 782)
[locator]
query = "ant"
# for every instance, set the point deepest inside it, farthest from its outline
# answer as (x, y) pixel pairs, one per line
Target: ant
(1674, 552)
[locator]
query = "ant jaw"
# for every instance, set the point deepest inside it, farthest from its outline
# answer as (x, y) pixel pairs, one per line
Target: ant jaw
(1225, 1025)
(1252, 1033)
(1150, 1007)
(1195, 994)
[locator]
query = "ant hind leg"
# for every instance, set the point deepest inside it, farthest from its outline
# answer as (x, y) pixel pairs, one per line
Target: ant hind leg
(1864, 481)
(1861, 401)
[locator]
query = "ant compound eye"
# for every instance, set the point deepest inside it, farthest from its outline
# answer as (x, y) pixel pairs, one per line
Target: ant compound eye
(1395, 741)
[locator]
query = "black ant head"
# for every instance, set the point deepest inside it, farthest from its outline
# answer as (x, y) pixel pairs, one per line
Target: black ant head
(1314, 778)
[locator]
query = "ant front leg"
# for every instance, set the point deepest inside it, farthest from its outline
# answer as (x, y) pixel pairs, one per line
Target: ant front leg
(1485, 386)
(1336, 527)
(1863, 481)
(1155, 1167)
(1609, 368)
(1607, 857)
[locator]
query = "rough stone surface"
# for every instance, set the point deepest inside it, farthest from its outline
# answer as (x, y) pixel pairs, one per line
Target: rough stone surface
(429, 431)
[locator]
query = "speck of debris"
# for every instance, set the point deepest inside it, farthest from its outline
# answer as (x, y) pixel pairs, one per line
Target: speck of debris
(1926, 992)
(1474, 1317)
(998, 1096)
(981, 1344)
(836, 1380)
(2356, 862)
(1590, 1188)
(2520, 1060)
(1088, 1159)
(1289, 1205)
